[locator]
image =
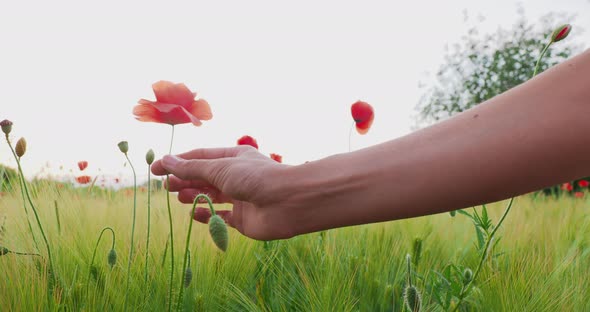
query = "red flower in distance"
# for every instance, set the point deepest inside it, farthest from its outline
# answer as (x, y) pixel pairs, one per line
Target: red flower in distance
(567, 187)
(175, 104)
(248, 140)
(276, 157)
(583, 183)
(578, 194)
(82, 165)
(363, 116)
(83, 179)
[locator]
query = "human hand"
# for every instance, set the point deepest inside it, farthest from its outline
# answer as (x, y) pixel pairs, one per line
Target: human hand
(238, 175)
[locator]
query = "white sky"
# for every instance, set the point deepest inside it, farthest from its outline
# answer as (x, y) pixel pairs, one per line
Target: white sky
(283, 72)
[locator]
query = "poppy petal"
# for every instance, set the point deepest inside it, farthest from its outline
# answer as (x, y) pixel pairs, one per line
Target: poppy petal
(201, 109)
(171, 93)
(364, 126)
(164, 113)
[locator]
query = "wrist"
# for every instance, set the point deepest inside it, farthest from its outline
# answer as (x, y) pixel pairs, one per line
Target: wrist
(324, 194)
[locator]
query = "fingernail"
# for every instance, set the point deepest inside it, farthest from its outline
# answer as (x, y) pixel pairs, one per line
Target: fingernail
(171, 160)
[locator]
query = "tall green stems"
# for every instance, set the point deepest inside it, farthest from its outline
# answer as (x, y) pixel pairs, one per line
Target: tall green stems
(57, 217)
(132, 231)
(24, 183)
(147, 243)
(22, 192)
(94, 255)
(540, 57)
(171, 229)
(465, 290)
(188, 239)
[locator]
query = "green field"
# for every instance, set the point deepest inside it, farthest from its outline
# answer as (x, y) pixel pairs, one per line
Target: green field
(541, 259)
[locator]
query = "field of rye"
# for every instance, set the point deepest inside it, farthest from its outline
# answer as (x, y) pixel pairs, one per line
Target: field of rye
(542, 260)
(78, 246)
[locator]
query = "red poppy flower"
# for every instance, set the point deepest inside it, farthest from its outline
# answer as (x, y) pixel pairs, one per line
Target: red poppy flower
(567, 187)
(578, 194)
(83, 179)
(82, 165)
(583, 183)
(363, 116)
(175, 104)
(276, 157)
(248, 140)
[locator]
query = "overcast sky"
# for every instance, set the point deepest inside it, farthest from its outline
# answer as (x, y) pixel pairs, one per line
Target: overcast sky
(285, 72)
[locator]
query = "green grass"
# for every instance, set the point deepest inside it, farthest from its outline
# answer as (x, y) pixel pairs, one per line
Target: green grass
(544, 265)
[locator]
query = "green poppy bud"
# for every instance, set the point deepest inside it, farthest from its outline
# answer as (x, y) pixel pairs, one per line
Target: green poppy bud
(4, 251)
(149, 157)
(412, 299)
(467, 276)
(112, 258)
(188, 277)
(218, 231)
(21, 147)
(6, 126)
(123, 147)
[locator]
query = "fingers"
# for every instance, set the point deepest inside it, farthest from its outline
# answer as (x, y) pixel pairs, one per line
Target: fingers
(187, 196)
(200, 153)
(177, 184)
(204, 214)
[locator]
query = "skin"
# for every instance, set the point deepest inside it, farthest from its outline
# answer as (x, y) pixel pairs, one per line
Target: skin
(530, 137)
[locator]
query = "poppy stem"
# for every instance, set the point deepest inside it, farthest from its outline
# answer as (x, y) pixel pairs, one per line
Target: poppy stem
(94, 254)
(132, 230)
(22, 192)
(22, 176)
(171, 229)
(147, 243)
(188, 239)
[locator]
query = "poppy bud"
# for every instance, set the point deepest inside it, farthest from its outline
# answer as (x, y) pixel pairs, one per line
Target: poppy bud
(123, 147)
(6, 126)
(561, 32)
(4, 251)
(467, 276)
(149, 157)
(112, 258)
(188, 277)
(21, 147)
(218, 231)
(412, 298)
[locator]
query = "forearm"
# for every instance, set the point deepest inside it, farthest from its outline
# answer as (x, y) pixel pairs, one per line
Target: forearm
(530, 137)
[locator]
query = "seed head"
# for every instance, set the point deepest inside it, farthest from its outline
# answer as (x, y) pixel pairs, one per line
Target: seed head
(4, 250)
(123, 147)
(412, 299)
(188, 277)
(467, 276)
(6, 126)
(21, 147)
(112, 258)
(218, 231)
(149, 157)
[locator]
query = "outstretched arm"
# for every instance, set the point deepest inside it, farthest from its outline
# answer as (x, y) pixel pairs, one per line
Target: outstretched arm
(530, 137)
